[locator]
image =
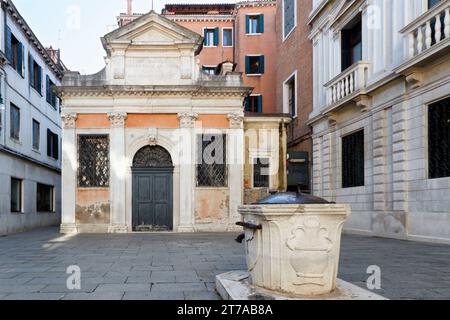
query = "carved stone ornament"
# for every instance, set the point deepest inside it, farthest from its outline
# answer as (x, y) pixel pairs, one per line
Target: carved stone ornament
(117, 119)
(153, 136)
(69, 120)
(187, 119)
(236, 120)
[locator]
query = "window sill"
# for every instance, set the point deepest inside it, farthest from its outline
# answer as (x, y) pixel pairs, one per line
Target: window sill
(254, 34)
(210, 46)
(212, 188)
(35, 150)
(228, 46)
(46, 212)
(17, 213)
(254, 75)
(16, 141)
(37, 92)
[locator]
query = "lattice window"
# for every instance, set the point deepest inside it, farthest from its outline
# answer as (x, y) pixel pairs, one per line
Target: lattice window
(353, 160)
(211, 161)
(93, 161)
(261, 173)
(439, 139)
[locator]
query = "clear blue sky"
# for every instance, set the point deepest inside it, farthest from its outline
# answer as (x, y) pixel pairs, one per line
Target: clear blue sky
(75, 26)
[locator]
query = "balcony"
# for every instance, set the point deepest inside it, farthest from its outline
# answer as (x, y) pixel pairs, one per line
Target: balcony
(427, 38)
(347, 86)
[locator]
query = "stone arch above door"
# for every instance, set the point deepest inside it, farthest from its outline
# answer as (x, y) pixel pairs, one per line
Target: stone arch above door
(152, 157)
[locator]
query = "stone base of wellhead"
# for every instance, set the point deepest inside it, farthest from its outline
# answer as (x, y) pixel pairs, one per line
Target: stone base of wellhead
(235, 285)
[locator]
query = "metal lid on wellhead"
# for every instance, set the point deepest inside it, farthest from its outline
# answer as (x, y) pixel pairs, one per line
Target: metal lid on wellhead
(292, 198)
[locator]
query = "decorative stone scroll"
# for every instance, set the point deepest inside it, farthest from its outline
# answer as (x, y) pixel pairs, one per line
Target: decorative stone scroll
(187, 119)
(69, 120)
(236, 120)
(117, 119)
(152, 137)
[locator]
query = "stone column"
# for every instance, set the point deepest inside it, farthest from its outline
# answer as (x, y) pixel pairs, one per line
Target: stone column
(118, 173)
(69, 173)
(186, 148)
(235, 159)
(283, 157)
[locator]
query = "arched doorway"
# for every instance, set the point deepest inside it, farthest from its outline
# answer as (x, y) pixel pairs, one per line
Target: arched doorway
(152, 190)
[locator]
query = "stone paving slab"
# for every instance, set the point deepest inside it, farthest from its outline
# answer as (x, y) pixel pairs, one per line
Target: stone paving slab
(172, 266)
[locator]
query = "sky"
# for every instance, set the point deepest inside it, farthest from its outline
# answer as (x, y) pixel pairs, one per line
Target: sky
(75, 26)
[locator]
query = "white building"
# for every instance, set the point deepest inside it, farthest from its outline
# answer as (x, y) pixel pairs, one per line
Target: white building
(381, 117)
(30, 128)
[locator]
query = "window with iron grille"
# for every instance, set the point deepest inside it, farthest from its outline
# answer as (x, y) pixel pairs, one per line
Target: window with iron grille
(211, 160)
(93, 161)
(439, 139)
(353, 160)
(261, 173)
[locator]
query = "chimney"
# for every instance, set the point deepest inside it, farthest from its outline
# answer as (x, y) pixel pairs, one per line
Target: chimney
(130, 7)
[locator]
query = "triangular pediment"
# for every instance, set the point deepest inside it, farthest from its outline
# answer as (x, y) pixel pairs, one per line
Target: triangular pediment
(152, 28)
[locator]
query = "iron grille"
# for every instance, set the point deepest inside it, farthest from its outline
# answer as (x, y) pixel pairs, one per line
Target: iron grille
(439, 139)
(93, 160)
(211, 161)
(353, 160)
(261, 173)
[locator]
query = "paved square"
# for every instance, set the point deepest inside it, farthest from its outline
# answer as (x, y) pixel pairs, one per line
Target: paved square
(171, 266)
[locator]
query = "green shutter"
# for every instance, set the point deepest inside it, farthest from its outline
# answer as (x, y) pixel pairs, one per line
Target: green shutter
(47, 89)
(205, 33)
(247, 24)
(55, 146)
(260, 108)
(247, 65)
(9, 52)
(39, 80)
(216, 36)
(261, 23)
(20, 58)
(31, 69)
(261, 64)
(247, 104)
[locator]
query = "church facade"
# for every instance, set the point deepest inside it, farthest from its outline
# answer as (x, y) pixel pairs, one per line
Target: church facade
(152, 143)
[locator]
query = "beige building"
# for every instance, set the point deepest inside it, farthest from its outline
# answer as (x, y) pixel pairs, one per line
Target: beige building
(153, 143)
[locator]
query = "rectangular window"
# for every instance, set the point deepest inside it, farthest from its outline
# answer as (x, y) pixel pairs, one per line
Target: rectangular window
(261, 173)
(254, 24)
(50, 96)
(211, 160)
(209, 69)
(351, 43)
(14, 51)
(254, 103)
(227, 37)
(45, 198)
(14, 122)
(35, 75)
(291, 96)
(289, 16)
(211, 36)
(439, 139)
(52, 145)
(93, 161)
(254, 65)
(16, 195)
(353, 160)
(36, 134)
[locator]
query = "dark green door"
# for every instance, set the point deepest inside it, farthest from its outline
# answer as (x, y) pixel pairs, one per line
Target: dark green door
(152, 199)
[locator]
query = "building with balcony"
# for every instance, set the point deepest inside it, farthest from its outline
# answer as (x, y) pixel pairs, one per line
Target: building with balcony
(381, 114)
(30, 130)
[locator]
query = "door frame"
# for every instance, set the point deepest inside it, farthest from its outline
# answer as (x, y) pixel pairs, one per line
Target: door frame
(149, 171)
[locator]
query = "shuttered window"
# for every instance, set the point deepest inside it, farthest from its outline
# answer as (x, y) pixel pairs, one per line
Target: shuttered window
(439, 139)
(254, 24)
(35, 74)
(254, 104)
(14, 122)
(52, 145)
(211, 37)
(289, 16)
(36, 134)
(254, 65)
(353, 160)
(50, 96)
(14, 52)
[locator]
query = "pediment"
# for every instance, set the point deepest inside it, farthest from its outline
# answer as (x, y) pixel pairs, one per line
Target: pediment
(342, 9)
(152, 28)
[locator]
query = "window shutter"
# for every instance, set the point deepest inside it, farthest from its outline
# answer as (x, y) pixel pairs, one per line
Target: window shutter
(20, 58)
(247, 104)
(31, 70)
(39, 80)
(247, 65)
(205, 35)
(261, 64)
(9, 52)
(247, 24)
(55, 146)
(260, 104)
(49, 143)
(47, 89)
(216, 36)
(261, 23)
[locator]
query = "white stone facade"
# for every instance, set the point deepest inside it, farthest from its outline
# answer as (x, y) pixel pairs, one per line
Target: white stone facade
(18, 158)
(405, 67)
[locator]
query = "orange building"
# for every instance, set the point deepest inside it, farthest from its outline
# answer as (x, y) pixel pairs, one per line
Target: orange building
(243, 33)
